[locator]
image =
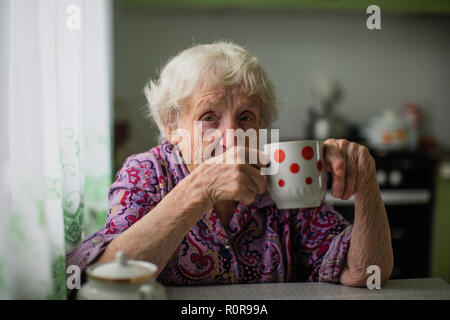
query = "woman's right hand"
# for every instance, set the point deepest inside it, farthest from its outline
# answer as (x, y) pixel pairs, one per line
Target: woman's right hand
(234, 179)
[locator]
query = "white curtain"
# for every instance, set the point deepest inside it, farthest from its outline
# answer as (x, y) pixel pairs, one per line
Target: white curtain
(55, 137)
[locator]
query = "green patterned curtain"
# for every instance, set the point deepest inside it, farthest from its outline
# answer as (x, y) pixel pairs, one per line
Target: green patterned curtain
(55, 162)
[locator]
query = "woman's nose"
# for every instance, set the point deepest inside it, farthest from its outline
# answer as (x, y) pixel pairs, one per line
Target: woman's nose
(229, 138)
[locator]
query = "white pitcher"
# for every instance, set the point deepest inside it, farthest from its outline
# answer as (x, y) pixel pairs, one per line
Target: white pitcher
(122, 280)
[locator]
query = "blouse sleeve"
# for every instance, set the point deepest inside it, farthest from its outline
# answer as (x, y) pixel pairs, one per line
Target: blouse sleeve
(323, 239)
(132, 195)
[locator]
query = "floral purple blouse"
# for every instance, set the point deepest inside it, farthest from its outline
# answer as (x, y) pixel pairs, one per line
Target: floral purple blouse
(260, 244)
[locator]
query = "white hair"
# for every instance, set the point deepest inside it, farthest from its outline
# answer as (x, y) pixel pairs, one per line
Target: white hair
(224, 63)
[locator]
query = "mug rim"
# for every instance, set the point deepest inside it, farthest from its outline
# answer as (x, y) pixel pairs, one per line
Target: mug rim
(151, 267)
(296, 141)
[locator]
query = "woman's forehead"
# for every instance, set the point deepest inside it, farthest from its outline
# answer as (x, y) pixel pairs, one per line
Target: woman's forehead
(216, 94)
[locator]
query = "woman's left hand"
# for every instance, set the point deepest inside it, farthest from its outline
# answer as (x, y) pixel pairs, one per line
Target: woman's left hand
(351, 166)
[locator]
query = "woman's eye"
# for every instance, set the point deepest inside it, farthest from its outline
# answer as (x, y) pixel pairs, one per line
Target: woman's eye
(245, 118)
(208, 119)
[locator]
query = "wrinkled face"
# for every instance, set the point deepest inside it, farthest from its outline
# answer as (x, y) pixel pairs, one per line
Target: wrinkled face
(217, 109)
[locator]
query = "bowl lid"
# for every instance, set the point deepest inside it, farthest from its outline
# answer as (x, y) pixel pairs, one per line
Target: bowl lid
(123, 270)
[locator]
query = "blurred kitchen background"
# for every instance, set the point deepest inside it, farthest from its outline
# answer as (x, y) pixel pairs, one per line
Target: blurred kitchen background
(387, 88)
(72, 108)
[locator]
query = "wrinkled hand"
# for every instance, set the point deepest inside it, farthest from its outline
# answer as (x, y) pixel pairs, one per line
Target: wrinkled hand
(352, 168)
(235, 180)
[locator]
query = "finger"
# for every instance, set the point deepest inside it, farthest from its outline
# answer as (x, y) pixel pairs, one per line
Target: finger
(247, 190)
(258, 179)
(350, 171)
(335, 161)
(240, 155)
(254, 157)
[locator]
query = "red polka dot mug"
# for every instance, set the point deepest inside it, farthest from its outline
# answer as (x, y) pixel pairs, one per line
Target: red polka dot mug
(296, 175)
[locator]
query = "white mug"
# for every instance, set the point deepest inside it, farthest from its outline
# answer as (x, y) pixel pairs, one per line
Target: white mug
(296, 176)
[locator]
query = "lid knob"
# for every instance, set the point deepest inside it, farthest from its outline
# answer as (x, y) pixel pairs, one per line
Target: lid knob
(121, 258)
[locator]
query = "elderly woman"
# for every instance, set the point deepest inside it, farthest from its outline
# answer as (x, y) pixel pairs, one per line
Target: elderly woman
(206, 223)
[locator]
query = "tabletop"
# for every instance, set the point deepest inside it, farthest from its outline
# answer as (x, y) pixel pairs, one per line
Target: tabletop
(404, 289)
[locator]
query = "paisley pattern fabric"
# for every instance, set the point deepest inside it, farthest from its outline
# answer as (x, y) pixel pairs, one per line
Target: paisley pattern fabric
(260, 244)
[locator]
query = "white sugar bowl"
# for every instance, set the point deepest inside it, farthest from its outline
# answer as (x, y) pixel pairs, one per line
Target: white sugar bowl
(122, 280)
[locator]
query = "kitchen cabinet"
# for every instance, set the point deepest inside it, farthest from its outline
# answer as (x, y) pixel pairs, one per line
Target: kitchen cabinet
(435, 6)
(441, 224)
(405, 6)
